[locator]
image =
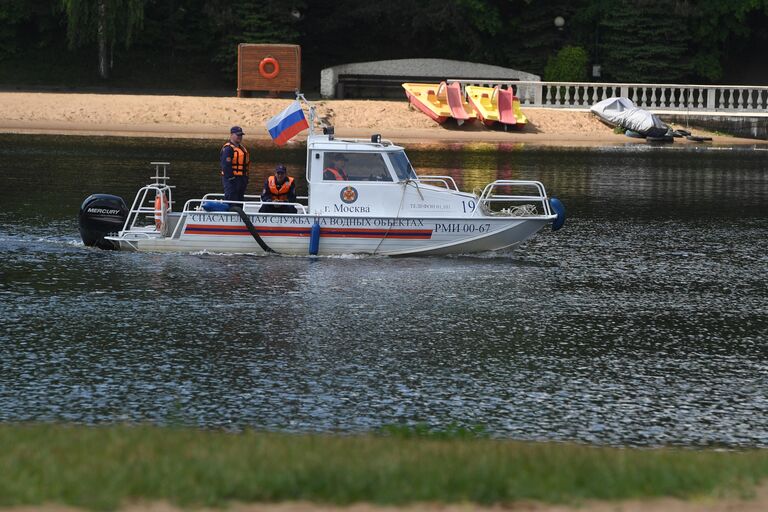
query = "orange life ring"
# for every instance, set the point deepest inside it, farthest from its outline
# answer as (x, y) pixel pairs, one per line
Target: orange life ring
(161, 206)
(263, 67)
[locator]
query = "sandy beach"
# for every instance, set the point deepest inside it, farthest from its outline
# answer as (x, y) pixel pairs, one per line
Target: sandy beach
(211, 117)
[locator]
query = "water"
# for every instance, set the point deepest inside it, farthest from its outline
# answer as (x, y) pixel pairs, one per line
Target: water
(643, 322)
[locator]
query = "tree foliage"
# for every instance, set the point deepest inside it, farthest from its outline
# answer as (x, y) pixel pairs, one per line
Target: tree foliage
(105, 21)
(120, 18)
(254, 21)
(569, 65)
(718, 27)
(633, 40)
(25, 23)
(645, 41)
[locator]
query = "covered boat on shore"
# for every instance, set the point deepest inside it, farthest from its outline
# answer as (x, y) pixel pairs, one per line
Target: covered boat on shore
(620, 111)
(383, 207)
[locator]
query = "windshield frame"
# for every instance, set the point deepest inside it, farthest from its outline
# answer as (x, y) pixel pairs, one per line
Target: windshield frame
(397, 159)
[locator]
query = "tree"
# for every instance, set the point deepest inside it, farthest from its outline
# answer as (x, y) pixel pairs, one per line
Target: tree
(255, 21)
(103, 21)
(569, 65)
(646, 41)
(715, 24)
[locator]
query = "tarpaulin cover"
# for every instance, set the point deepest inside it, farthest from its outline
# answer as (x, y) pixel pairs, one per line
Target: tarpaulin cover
(622, 112)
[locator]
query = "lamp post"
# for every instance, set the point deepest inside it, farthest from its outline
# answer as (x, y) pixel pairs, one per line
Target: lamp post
(559, 22)
(597, 69)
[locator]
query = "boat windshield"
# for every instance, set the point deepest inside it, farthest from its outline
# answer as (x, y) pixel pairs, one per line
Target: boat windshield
(402, 166)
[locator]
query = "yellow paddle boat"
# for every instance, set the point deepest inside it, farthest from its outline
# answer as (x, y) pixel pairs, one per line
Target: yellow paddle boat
(496, 105)
(431, 99)
(440, 101)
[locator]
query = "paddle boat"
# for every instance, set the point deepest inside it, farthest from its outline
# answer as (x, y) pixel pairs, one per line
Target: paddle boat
(440, 101)
(496, 105)
(383, 207)
(424, 98)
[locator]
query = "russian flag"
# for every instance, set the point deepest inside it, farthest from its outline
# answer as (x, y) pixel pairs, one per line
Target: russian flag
(287, 124)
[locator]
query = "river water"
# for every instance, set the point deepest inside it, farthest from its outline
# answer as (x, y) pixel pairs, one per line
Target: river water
(643, 322)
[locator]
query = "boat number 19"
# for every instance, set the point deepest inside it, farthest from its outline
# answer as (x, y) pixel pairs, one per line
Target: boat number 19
(469, 206)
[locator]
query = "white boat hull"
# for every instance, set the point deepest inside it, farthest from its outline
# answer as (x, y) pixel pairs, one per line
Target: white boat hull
(289, 234)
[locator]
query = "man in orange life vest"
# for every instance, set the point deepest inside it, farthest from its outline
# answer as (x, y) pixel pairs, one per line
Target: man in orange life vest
(235, 162)
(335, 171)
(279, 188)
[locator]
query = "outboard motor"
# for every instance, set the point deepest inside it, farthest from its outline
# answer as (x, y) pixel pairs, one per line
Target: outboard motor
(101, 215)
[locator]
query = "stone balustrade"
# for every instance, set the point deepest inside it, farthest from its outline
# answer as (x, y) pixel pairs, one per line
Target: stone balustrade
(673, 97)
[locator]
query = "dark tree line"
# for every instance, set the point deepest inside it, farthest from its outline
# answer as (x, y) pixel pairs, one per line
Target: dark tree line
(631, 40)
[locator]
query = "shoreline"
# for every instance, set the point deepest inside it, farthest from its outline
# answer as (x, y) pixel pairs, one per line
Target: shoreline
(160, 116)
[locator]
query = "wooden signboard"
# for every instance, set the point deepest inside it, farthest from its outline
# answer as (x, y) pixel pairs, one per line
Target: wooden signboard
(268, 67)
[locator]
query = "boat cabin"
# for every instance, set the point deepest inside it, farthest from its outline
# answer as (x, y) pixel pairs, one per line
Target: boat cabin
(353, 177)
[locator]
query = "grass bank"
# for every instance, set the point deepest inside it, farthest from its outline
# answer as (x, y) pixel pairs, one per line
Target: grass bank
(104, 467)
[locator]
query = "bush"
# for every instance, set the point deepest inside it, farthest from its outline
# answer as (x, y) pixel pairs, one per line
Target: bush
(569, 65)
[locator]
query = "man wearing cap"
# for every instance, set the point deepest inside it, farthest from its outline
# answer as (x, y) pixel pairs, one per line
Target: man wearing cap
(335, 171)
(235, 162)
(279, 188)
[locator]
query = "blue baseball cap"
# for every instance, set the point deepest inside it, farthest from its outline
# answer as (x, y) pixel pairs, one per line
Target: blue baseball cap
(281, 168)
(236, 130)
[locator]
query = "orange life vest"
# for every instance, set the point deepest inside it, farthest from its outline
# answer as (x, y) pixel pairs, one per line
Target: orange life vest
(241, 160)
(338, 175)
(280, 194)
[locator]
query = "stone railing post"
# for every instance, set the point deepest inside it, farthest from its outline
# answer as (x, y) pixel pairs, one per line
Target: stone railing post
(710, 98)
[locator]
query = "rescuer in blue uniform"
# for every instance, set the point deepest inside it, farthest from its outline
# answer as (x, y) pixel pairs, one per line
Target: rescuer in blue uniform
(279, 188)
(235, 162)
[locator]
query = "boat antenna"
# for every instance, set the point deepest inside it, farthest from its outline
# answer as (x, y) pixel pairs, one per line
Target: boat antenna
(312, 115)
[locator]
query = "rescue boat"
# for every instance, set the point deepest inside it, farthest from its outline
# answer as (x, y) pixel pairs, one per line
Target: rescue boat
(383, 207)
(495, 105)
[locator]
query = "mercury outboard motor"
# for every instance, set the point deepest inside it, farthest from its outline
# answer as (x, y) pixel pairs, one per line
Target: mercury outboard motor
(101, 215)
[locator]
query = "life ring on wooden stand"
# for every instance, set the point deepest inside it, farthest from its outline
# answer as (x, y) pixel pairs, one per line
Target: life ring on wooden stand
(161, 206)
(263, 67)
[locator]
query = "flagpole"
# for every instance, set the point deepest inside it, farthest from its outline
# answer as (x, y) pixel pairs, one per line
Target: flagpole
(300, 96)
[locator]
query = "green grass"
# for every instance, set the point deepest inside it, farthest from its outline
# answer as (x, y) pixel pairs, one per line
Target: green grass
(104, 467)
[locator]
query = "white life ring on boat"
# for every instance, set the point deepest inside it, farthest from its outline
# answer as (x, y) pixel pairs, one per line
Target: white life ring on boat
(161, 206)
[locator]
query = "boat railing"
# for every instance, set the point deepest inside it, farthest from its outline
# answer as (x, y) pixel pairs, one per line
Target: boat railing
(139, 210)
(447, 181)
(196, 205)
(520, 204)
(257, 199)
(218, 196)
(160, 207)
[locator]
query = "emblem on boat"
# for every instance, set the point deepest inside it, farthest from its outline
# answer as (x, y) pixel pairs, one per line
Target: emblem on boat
(348, 194)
